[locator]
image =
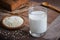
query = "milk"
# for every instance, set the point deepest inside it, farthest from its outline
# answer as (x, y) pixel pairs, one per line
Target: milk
(38, 21)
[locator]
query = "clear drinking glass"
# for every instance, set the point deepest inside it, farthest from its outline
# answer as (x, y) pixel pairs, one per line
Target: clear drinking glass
(37, 20)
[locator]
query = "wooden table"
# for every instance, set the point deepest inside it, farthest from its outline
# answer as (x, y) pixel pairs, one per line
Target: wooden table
(52, 15)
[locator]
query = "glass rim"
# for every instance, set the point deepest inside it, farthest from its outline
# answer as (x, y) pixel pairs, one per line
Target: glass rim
(40, 8)
(37, 7)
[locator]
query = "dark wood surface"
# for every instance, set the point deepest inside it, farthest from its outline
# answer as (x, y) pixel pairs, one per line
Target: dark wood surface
(52, 15)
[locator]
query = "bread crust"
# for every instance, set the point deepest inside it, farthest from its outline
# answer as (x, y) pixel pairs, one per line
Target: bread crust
(11, 5)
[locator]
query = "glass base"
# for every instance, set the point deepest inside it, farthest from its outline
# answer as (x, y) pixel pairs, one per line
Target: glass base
(37, 34)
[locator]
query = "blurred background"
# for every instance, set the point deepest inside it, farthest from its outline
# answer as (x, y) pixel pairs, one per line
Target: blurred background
(53, 2)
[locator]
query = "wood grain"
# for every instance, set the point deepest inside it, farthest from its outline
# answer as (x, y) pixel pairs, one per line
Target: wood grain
(52, 15)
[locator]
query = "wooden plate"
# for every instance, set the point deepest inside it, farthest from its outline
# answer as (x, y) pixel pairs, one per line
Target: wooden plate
(11, 22)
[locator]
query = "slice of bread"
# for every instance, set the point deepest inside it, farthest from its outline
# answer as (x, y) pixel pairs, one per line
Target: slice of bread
(12, 5)
(12, 21)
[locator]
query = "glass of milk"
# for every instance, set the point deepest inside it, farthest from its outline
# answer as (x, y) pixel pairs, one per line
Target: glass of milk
(37, 21)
